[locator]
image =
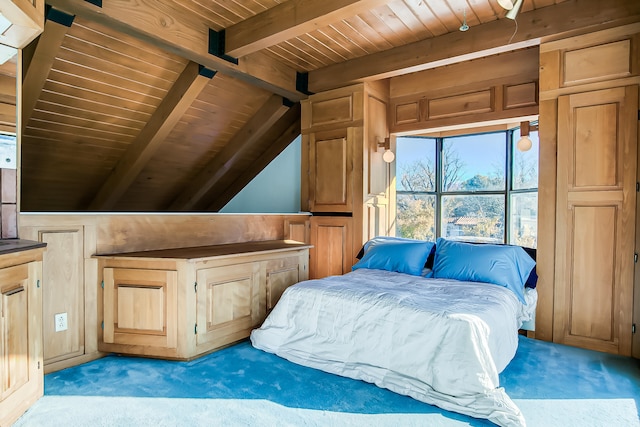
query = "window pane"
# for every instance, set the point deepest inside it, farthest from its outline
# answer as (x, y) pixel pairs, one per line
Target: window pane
(473, 218)
(525, 163)
(474, 162)
(524, 219)
(415, 164)
(416, 217)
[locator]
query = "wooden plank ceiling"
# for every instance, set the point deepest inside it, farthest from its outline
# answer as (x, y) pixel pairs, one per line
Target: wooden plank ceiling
(176, 105)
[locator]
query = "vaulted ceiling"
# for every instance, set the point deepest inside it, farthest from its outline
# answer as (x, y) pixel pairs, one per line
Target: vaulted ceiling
(132, 105)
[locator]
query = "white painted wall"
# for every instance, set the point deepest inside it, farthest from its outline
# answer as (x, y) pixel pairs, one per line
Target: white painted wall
(275, 190)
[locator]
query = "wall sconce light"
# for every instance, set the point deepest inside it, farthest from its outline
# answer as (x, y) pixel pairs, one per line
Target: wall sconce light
(513, 7)
(385, 144)
(524, 143)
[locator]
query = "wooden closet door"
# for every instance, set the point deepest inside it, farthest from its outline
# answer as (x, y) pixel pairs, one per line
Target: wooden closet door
(331, 171)
(596, 199)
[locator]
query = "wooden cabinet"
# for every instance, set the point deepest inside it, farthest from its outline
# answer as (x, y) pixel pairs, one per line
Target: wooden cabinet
(333, 249)
(596, 219)
(589, 169)
(346, 180)
(21, 370)
(181, 303)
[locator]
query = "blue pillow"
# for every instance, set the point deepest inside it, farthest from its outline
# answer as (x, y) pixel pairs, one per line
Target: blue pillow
(503, 265)
(393, 239)
(403, 257)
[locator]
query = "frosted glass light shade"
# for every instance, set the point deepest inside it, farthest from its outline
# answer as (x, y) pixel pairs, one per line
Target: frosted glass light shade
(506, 4)
(388, 156)
(524, 143)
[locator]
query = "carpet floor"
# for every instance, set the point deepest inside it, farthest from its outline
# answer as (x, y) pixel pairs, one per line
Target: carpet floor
(554, 385)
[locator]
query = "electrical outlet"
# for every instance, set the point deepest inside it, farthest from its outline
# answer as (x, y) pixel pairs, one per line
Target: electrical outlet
(61, 322)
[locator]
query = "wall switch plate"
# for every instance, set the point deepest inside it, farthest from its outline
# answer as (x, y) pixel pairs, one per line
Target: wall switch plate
(61, 322)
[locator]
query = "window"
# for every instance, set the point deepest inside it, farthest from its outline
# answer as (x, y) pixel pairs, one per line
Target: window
(473, 187)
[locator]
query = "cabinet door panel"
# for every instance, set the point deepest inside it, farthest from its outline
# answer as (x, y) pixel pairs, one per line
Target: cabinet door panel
(332, 251)
(228, 302)
(595, 223)
(330, 172)
(140, 307)
(64, 293)
(14, 343)
(281, 274)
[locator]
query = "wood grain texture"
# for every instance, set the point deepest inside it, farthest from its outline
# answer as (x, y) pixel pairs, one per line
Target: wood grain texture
(178, 99)
(489, 39)
(595, 220)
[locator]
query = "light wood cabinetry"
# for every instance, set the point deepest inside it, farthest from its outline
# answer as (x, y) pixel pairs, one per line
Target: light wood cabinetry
(21, 368)
(590, 116)
(181, 303)
(344, 177)
(494, 89)
(333, 249)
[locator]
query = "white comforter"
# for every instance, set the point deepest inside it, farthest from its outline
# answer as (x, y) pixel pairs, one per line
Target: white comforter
(440, 341)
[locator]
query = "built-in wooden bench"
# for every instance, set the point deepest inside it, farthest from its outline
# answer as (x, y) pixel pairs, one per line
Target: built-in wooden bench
(181, 303)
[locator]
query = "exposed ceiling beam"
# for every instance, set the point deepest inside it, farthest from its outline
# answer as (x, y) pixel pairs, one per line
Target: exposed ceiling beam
(291, 123)
(164, 24)
(289, 20)
(55, 28)
(184, 91)
(481, 40)
(270, 112)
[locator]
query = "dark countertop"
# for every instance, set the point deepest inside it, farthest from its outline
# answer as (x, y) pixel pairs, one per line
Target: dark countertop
(8, 246)
(228, 249)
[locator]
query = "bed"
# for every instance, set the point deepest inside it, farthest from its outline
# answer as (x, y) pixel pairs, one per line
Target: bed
(440, 335)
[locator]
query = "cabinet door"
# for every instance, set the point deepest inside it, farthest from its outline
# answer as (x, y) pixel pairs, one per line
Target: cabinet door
(595, 224)
(228, 303)
(14, 333)
(140, 307)
(332, 251)
(331, 171)
(282, 273)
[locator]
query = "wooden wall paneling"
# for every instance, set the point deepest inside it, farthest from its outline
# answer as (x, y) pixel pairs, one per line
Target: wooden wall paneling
(488, 39)
(635, 345)
(496, 89)
(125, 233)
(546, 245)
(68, 264)
(520, 95)
(63, 292)
(597, 134)
(8, 103)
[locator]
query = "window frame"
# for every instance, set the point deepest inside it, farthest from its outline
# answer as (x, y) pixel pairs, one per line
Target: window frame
(509, 146)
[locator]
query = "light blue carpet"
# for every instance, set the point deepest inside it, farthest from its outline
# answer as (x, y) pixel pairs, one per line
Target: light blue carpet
(553, 385)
